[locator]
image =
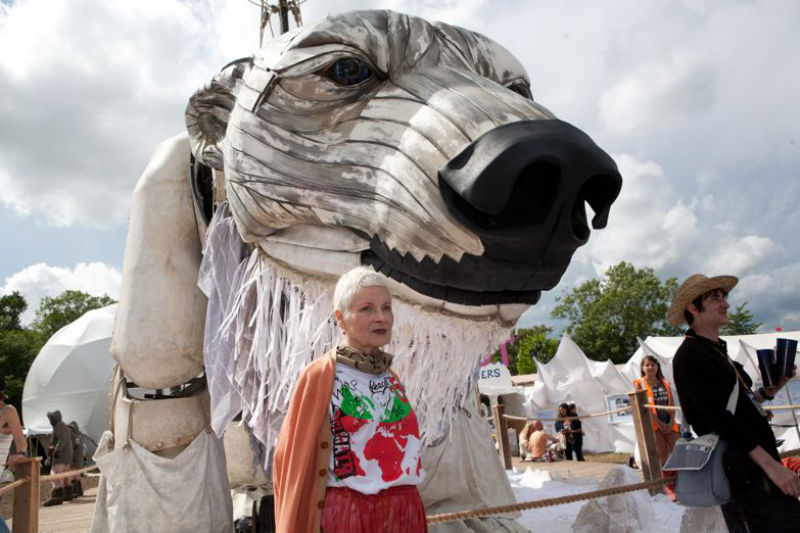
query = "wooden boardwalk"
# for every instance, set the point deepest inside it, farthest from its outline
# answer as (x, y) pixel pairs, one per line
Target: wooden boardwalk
(71, 517)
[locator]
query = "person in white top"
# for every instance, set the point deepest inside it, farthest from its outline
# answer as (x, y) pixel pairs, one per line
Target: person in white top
(10, 431)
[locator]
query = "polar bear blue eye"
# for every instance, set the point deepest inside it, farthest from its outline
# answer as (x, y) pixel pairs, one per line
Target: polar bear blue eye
(350, 71)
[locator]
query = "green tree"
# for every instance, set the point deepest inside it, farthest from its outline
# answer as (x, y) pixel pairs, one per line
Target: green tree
(11, 307)
(605, 316)
(534, 347)
(55, 313)
(18, 346)
(528, 343)
(18, 349)
(741, 322)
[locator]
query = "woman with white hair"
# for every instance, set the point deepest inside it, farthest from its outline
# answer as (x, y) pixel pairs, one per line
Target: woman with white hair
(348, 453)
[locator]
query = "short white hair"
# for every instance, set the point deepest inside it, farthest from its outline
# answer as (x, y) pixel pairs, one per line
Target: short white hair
(354, 280)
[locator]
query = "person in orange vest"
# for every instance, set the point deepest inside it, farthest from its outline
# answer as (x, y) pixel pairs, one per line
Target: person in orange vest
(659, 393)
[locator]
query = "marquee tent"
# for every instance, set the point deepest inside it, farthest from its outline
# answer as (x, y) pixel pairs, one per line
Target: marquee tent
(741, 348)
(572, 377)
(600, 386)
(72, 373)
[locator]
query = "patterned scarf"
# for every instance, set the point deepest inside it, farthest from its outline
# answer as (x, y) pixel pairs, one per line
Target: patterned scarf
(369, 363)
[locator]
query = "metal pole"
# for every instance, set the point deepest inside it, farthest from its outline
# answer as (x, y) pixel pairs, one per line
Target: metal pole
(262, 23)
(283, 12)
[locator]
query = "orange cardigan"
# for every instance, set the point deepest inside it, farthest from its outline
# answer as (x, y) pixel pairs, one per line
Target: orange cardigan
(303, 453)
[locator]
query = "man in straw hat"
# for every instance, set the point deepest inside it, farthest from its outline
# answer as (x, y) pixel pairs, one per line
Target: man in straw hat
(764, 491)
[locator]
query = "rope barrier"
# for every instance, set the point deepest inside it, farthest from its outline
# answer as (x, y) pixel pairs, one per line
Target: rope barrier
(663, 407)
(71, 473)
(547, 502)
(648, 405)
(767, 407)
(621, 409)
(6, 488)
(590, 415)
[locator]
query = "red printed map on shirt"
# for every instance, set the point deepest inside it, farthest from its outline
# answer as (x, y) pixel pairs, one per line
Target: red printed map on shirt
(375, 433)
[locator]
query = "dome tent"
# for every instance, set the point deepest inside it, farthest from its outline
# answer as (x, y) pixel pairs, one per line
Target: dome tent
(72, 373)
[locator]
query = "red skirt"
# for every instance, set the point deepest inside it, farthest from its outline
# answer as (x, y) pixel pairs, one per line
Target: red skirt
(394, 510)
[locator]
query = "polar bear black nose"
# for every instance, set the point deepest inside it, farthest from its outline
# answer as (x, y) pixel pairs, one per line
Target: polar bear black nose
(524, 183)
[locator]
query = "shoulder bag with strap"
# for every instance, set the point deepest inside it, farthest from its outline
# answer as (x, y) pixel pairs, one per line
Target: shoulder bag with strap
(702, 481)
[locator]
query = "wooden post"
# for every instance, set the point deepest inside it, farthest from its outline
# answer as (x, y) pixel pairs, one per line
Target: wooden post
(26, 497)
(501, 432)
(645, 439)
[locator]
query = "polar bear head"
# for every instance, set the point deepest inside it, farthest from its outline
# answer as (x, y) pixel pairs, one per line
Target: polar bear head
(378, 138)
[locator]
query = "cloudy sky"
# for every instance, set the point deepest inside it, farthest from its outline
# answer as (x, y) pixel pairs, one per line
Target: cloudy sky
(696, 100)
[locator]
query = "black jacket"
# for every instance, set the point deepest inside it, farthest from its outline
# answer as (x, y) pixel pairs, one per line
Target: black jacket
(704, 381)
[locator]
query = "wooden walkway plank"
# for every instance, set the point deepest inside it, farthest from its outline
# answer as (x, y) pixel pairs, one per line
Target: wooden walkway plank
(74, 516)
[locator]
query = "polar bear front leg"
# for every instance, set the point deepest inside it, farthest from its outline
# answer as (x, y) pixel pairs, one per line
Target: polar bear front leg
(163, 457)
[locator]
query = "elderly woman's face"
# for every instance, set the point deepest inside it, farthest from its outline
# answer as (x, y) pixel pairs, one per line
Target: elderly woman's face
(367, 322)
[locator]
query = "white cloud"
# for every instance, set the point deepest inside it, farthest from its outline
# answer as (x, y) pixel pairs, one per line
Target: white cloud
(459, 12)
(647, 223)
(742, 255)
(700, 95)
(680, 222)
(706, 178)
(772, 296)
(652, 225)
(89, 90)
(40, 280)
(657, 93)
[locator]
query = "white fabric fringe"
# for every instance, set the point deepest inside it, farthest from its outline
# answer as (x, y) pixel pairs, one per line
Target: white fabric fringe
(277, 321)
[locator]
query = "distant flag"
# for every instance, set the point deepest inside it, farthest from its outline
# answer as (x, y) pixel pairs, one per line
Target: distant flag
(504, 353)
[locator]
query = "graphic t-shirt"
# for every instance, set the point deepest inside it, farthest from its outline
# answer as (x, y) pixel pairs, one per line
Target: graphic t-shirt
(661, 397)
(375, 433)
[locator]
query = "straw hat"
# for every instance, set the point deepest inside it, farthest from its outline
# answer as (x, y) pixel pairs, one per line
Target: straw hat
(694, 286)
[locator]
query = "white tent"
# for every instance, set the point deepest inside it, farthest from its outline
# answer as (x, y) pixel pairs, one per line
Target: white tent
(741, 348)
(571, 377)
(72, 373)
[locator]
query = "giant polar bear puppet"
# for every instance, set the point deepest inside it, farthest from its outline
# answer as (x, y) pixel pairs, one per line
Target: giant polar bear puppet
(371, 138)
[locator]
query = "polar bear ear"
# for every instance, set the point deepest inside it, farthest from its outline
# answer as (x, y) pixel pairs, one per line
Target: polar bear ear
(208, 110)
